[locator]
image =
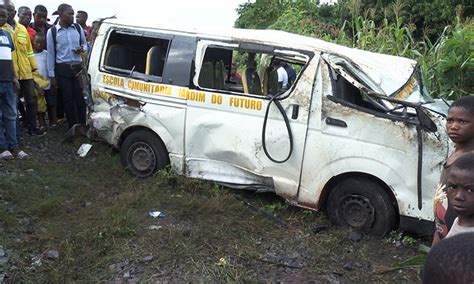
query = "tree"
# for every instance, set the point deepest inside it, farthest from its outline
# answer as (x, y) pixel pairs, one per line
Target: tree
(259, 15)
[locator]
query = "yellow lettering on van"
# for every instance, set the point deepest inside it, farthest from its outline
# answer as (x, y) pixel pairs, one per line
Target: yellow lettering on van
(102, 95)
(113, 81)
(182, 93)
(192, 95)
(403, 94)
(163, 90)
(140, 86)
(216, 99)
(245, 103)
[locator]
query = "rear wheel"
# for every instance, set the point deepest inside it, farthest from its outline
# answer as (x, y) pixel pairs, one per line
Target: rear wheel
(361, 204)
(143, 153)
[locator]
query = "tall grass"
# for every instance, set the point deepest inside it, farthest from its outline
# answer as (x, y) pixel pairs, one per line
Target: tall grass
(447, 64)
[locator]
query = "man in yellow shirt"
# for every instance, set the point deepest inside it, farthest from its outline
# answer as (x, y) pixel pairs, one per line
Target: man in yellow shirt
(24, 64)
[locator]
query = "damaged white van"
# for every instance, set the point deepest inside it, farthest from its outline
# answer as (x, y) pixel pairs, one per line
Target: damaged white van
(348, 131)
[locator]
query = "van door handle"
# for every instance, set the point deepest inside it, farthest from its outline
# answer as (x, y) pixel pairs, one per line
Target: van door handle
(295, 112)
(335, 122)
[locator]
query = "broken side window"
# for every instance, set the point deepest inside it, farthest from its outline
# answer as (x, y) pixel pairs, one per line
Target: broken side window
(349, 89)
(136, 55)
(348, 92)
(232, 68)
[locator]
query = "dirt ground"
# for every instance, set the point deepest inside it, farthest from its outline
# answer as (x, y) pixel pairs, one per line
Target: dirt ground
(65, 218)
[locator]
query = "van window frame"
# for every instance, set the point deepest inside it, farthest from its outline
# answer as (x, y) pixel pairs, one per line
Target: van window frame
(410, 118)
(132, 73)
(204, 43)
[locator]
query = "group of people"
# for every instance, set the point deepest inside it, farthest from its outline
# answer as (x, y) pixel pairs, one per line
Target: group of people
(40, 69)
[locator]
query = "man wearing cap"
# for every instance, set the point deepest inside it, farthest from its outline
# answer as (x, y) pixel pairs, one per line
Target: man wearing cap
(25, 64)
(65, 43)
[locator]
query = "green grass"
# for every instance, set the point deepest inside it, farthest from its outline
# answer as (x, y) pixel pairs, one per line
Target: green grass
(95, 214)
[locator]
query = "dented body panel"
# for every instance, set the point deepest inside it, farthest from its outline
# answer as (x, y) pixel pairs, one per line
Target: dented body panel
(216, 134)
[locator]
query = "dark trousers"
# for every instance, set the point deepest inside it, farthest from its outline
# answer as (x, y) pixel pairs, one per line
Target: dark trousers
(59, 104)
(51, 104)
(27, 91)
(21, 110)
(71, 91)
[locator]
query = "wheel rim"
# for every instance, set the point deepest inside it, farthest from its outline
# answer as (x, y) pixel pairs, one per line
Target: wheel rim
(357, 211)
(142, 158)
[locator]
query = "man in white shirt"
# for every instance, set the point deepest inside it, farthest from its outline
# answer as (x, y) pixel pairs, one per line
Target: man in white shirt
(282, 75)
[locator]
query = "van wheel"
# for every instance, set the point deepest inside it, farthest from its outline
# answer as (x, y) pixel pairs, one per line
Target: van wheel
(361, 204)
(143, 153)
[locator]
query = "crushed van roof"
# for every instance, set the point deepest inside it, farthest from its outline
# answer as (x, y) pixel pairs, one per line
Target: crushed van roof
(387, 71)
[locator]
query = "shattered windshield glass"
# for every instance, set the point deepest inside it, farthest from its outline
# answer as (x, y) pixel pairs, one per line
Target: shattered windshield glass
(415, 91)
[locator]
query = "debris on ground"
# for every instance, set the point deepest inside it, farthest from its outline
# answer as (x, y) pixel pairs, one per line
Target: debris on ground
(84, 149)
(52, 254)
(156, 214)
(154, 228)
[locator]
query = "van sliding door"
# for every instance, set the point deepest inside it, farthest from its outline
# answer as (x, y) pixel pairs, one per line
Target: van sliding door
(227, 109)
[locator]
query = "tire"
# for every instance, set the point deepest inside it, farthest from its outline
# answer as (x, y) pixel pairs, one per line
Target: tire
(363, 205)
(143, 153)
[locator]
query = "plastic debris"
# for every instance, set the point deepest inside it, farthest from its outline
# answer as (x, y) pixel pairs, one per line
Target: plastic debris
(84, 149)
(222, 262)
(154, 228)
(149, 258)
(36, 261)
(52, 253)
(156, 214)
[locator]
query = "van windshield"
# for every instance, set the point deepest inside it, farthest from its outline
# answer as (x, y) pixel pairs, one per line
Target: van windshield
(414, 91)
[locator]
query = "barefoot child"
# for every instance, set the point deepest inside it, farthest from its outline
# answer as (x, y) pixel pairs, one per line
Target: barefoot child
(460, 128)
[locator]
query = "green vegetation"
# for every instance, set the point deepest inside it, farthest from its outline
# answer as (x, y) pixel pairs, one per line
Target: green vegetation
(438, 34)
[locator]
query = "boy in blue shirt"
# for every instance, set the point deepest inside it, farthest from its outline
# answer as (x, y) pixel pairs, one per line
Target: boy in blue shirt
(8, 99)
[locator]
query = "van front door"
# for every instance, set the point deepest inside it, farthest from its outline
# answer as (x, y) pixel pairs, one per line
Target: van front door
(224, 120)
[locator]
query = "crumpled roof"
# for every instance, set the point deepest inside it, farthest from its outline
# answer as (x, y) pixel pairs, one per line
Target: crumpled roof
(389, 72)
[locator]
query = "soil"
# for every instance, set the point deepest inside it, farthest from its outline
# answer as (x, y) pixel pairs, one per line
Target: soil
(65, 218)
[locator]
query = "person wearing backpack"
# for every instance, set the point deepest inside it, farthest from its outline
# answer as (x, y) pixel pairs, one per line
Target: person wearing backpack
(65, 43)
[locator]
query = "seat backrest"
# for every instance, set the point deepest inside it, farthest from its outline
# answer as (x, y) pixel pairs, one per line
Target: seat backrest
(219, 75)
(119, 56)
(270, 81)
(154, 61)
(251, 81)
(206, 76)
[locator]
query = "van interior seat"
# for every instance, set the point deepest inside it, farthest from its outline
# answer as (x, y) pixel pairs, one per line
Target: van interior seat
(270, 81)
(251, 81)
(119, 56)
(207, 76)
(219, 75)
(154, 61)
